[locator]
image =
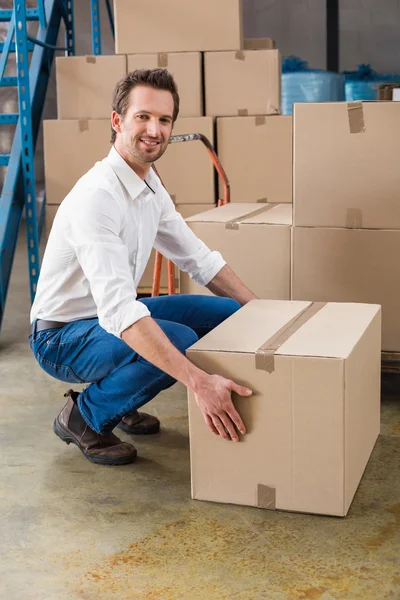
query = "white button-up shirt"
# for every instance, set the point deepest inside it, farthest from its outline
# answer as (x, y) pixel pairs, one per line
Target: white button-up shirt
(101, 241)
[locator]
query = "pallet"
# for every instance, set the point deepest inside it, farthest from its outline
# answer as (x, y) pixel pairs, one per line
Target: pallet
(391, 362)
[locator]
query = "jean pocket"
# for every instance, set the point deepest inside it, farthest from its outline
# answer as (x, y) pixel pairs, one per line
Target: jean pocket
(61, 372)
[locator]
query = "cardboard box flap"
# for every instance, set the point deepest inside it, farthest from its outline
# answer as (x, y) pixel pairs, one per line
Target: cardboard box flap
(251, 212)
(249, 328)
(332, 332)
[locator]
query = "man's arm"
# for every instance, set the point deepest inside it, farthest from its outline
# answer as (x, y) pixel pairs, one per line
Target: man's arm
(227, 283)
(213, 392)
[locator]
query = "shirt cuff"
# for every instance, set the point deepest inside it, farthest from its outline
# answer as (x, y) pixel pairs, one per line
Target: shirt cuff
(207, 274)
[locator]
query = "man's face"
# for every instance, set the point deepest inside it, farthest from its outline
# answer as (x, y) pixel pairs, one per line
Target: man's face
(146, 127)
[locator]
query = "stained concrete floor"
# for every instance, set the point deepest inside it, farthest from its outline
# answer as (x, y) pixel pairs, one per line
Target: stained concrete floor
(71, 530)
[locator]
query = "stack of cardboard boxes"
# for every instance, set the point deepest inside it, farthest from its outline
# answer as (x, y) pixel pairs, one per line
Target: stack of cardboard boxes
(229, 91)
(346, 234)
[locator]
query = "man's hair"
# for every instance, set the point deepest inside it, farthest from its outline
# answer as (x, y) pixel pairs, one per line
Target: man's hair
(159, 79)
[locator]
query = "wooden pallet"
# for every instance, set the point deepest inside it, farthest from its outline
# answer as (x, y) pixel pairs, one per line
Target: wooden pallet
(391, 362)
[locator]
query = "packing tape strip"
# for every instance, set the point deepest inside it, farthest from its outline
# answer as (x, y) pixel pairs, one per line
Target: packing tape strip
(243, 112)
(265, 355)
(83, 125)
(91, 59)
(260, 120)
(266, 497)
(354, 218)
(162, 59)
(234, 223)
(240, 55)
(356, 117)
(262, 200)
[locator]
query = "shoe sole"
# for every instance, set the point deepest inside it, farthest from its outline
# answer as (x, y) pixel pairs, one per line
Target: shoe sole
(66, 437)
(140, 430)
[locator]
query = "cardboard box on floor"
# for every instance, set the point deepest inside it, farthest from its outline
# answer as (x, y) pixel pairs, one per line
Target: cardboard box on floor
(242, 83)
(350, 265)
(186, 68)
(314, 415)
(85, 85)
(256, 153)
(186, 168)
(143, 26)
(346, 165)
(254, 240)
(186, 210)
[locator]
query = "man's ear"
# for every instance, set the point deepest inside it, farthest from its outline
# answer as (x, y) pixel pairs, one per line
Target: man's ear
(116, 121)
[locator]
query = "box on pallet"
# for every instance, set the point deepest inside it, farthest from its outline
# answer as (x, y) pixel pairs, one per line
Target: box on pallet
(85, 85)
(242, 83)
(186, 68)
(350, 265)
(143, 26)
(346, 165)
(254, 239)
(314, 415)
(256, 153)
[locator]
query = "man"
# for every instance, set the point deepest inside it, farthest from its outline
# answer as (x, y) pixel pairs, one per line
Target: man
(88, 326)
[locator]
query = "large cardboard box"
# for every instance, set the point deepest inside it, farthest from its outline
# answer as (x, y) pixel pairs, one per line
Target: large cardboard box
(143, 26)
(346, 165)
(71, 148)
(242, 83)
(347, 265)
(256, 153)
(186, 210)
(186, 68)
(254, 240)
(186, 168)
(85, 85)
(314, 415)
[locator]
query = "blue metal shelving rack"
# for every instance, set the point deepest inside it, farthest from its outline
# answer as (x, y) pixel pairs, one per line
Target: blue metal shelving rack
(32, 78)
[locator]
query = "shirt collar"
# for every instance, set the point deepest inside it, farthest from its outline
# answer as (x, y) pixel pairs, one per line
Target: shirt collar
(133, 183)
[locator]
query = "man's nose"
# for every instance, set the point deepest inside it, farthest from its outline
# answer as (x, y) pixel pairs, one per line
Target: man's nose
(153, 127)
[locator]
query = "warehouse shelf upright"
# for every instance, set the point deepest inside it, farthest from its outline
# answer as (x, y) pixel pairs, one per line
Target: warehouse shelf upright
(33, 60)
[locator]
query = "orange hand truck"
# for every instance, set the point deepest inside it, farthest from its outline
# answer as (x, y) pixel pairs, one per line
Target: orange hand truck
(188, 137)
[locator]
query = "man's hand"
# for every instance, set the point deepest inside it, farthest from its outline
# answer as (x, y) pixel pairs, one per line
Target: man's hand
(213, 397)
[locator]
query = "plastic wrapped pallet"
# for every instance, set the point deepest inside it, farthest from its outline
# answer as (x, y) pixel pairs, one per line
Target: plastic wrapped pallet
(364, 83)
(301, 84)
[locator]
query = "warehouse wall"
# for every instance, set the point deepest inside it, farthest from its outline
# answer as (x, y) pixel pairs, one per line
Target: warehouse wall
(369, 30)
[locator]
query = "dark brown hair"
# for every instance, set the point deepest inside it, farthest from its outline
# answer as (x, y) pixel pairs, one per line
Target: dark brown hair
(160, 79)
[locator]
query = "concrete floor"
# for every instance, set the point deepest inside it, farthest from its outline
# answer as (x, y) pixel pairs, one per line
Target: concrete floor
(71, 530)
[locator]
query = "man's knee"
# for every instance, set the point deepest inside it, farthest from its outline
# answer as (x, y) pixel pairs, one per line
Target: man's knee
(182, 336)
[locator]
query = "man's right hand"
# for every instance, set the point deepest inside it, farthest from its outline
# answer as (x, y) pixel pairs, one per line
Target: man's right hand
(213, 396)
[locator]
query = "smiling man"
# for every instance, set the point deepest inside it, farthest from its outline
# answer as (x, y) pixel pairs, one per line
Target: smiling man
(89, 326)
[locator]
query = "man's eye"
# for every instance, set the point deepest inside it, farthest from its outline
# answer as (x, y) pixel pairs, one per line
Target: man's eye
(142, 117)
(166, 121)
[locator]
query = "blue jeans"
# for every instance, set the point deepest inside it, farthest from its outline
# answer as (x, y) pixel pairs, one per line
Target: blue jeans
(120, 379)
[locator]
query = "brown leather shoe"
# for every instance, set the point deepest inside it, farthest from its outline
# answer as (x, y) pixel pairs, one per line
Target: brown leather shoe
(138, 423)
(102, 449)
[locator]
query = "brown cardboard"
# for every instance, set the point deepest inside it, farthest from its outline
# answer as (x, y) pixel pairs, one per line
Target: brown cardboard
(186, 210)
(258, 249)
(71, 148)
(347, 265)
(51, 210)
(259, 44)
(85, 85)
(144, 26)
(186, 68)
(256, 153)
(311, 423)
(242, 83)
(186, 168)
(345, 179)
